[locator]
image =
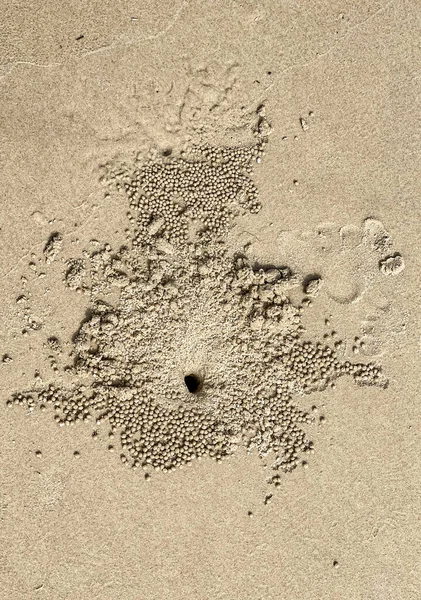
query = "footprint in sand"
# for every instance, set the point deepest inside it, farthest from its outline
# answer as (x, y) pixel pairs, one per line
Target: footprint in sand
(349, 259)
(353, 263)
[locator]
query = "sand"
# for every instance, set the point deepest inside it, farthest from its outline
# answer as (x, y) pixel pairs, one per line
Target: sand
(91, 96)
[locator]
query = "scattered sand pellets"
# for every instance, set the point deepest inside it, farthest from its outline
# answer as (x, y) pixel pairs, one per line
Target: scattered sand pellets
(392, 265)
(203, 351)
(205, 186)
(191, 364)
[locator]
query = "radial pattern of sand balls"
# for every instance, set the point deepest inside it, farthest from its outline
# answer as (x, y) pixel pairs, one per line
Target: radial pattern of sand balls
(203, 351)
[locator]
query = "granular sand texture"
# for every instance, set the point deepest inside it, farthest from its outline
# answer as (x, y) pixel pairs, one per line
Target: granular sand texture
(203, 351)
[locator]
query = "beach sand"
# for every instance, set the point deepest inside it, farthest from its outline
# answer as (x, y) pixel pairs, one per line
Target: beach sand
(320, 103)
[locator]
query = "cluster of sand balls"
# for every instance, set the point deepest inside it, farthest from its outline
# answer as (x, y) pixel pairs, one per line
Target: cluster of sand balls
(204, 187)
(205, 314)
(203, 351)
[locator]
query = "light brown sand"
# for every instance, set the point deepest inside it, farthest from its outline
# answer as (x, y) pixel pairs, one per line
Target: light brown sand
(340, 84)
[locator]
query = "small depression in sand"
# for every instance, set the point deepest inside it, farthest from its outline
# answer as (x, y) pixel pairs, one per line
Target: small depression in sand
(203, 351)
(193, 383)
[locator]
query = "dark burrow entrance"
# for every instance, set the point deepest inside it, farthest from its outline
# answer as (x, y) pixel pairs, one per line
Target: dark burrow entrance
(193, 383)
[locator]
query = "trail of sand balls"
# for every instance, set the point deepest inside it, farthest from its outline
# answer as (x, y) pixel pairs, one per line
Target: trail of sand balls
(203, 352)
